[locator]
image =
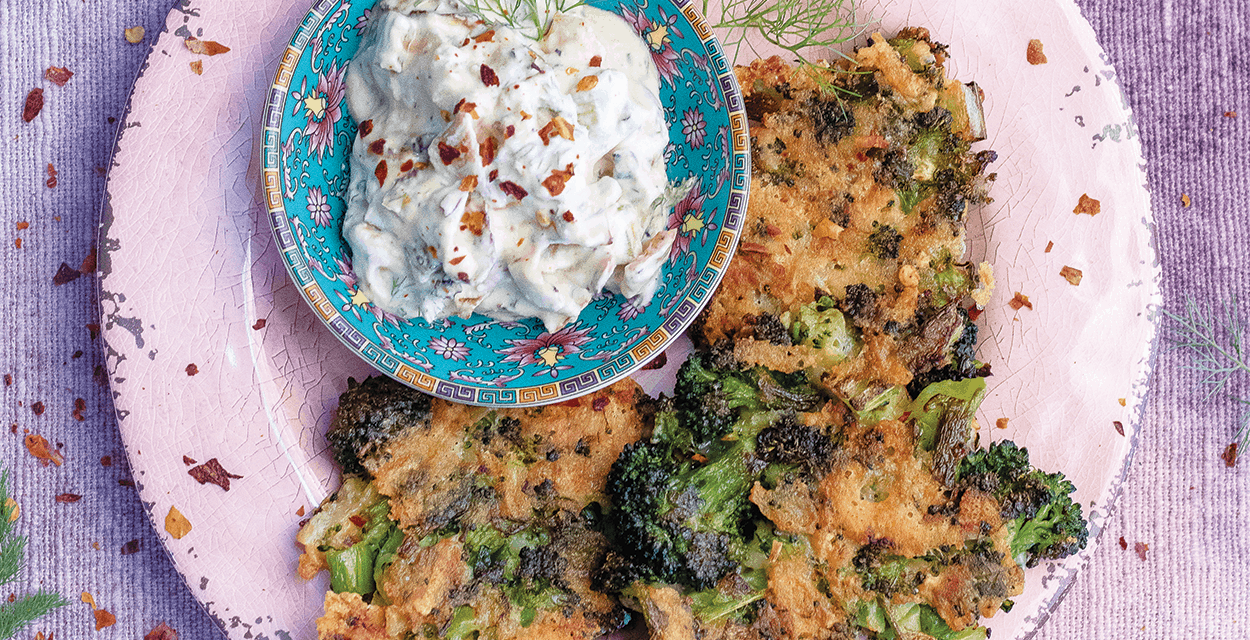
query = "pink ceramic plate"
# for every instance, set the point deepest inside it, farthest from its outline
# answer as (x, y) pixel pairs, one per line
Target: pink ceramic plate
(212, 353)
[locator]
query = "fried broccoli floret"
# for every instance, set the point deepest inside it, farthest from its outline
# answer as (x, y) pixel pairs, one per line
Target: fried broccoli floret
(675, 517)
(943, 414)
(708, 401)
(1044, 522)
(370, 415)
(681, 510)
(353, 536)
(884, 242)
(963, 359)
(822, 326)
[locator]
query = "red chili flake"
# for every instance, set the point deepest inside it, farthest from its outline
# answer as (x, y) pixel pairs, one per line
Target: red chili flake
(1088, 205)
(192, 369)
(358, 520)
(485, 36)
(1119, 427)
(380, 172)
(1034, 52)
(377, 146)
(494, 173)
(58, 75)
(462, 276)
(106, 461)
(52, 174)
(38, 447)
(87, 266)
(130, 548)
(13, 428)
(205, 47)
(657, 362)
(474, 221)
(557, 127)
(94, 330)
(1140, 548)
(1230, 455)
(1072, 275)
(17, 242)
(161, 631)
(100, 375)
(187, 460)
(1230, 114)
(1020, 300)
(8, 379)
(467, 107)
(600, 403)
(197, 67)
(488, 76)
(65, 275)
(259, 324)
(80, 406)
(38, 408)
(34, 104)
(555, 183)
(406, 166)
(213, 472)
(1123, 543)
(568, 216)
(125, 482)
(486, 149)
(366, 128)
(447, 153)
(104, 619)
(509, 132)
(1050, 245)
(23, 225)
(300, 511)
(596, 61)
(468, 183)
(455, 261)
(68, 498)
(513, 189)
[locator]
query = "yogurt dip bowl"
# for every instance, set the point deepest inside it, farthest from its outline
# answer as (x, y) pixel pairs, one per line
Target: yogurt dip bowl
(306, 146)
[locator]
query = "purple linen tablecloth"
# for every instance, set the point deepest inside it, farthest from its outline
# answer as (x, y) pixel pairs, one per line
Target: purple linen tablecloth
(1185, 68)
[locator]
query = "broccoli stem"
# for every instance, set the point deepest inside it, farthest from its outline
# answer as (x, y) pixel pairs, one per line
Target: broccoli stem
(351, 569)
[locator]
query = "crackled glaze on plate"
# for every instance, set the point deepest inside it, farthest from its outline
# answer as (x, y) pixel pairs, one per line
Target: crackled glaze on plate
(189, 268)
(476, 360)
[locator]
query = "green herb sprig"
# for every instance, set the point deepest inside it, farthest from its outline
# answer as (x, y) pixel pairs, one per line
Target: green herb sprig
(1215, 342)
(16, 615)
(795, 26)
(523, 15)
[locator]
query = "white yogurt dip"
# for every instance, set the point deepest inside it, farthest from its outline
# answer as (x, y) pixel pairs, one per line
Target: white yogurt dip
(499, 175)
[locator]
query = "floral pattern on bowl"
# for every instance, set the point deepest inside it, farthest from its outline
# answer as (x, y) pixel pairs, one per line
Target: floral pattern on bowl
(306, 142)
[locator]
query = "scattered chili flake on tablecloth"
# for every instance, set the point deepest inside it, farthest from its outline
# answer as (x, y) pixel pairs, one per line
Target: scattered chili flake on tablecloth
(1123, 543)
(52, 174)
(1034, 53)
(1020, 300)
(58, 76)
(38, 447)
(161, 631)
(1230, 114)
(106, 461)
(37, 408)
(1088, 205)
(68, 498)
(80, 406)
(1185, 201)
(134, 35)
(87, 266)
(177, 524)
(104, 619)
(1230, 455)
(65, 275)
(1140, 549)
(213, 472)
(88, 598)
(33, 105)
(8, 379)
(131, 547)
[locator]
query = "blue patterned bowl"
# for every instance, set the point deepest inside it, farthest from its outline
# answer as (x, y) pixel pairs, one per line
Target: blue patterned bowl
(306, 144)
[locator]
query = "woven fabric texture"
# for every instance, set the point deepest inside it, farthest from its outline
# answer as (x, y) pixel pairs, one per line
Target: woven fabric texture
(1184, 67)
